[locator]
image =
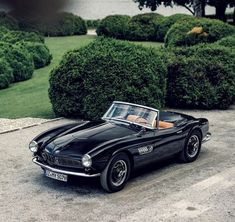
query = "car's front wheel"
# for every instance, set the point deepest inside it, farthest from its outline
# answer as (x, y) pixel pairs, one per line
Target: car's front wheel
(116, 174)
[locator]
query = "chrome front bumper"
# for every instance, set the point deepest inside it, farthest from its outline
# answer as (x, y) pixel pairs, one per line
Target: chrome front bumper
(207, 137)
(63, 171)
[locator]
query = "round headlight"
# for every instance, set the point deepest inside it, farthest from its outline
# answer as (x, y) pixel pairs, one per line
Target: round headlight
(33, 146)
(86, 160)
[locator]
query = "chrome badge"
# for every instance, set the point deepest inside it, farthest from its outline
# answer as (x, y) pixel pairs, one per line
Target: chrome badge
(145, 149)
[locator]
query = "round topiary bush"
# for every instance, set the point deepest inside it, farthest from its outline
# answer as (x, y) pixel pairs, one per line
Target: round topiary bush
(17, 36)
(143, 27)
(191, 32)
(19, 60)
(8, 21)
(115, 26)
(201, 77)
(166, 22)
(89, 79)
(39, 52)
(6, 75)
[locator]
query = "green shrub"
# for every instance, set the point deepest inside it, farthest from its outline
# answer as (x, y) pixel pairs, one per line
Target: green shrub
(166, 22)
(92, 23)
(3, 30)
(89, 79)
(8, 21)
(39, 52)
(64, 24)
(202, 76)
(143, 27)
(115, 26)
(191, 32)
(6, 75)
(227, 41)
(19, 60)
(17, 36)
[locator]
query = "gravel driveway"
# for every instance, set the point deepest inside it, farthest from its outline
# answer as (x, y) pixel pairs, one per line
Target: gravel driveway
(169, 191)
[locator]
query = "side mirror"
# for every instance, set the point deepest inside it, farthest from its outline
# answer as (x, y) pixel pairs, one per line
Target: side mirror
(142, 132)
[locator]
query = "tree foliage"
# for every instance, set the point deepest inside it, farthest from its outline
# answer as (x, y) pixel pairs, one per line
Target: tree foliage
(196, 7)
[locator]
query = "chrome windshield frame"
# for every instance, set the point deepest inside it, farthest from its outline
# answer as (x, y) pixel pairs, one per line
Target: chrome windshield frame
(126, 121)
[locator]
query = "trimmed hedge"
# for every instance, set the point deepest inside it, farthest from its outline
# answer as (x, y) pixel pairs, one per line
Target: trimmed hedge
(114, 26)
(19, 60)
(17, 36)
(65, 24)
(39, 52)
(202, 76)
(143, 27)
(8, 21)
(191, 32)
(6, 75)
(89, 79)
(165, 24)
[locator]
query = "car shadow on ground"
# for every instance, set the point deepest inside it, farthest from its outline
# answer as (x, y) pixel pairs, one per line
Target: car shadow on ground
(91, 186)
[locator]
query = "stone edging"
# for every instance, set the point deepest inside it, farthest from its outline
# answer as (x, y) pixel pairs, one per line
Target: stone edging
(26, 127)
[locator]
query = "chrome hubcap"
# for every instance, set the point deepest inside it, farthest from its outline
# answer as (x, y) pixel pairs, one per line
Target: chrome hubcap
(193, 146)
(119, 173)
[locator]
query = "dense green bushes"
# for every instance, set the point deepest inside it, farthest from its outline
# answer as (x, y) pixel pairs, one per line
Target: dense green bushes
(92, 23)
(139, 27)
(64, 24)
(202, 76)
(39, 52)
(115, 26)
(20, 53)
(8, 21)
(166, 22)
(176, 30)
(19, 60)
(89, 79)
(143, 27)
(191, 32)
(6, 75)
(16, 36)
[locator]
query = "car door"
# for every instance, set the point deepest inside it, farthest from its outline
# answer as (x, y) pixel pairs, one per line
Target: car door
(159, 144)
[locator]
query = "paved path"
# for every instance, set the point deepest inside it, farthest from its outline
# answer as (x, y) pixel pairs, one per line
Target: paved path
(200, 191)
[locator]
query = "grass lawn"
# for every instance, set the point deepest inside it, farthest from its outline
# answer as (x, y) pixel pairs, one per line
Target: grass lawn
(30, 98)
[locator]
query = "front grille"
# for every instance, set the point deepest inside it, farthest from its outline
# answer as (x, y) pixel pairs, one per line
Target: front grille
(61, 161)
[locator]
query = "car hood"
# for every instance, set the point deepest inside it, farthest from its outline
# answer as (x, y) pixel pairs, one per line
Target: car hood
(77, 142)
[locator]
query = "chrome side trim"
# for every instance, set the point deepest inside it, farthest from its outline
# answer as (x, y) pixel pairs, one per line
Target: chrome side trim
(63, 171)
(207, 137)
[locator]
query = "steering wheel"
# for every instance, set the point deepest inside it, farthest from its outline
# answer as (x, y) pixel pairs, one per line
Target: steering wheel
(142, 121)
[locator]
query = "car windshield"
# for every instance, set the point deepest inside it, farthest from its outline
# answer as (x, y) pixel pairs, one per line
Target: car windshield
(132, 113)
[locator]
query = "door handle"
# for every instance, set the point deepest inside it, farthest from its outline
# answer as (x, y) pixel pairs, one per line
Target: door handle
(178, 132)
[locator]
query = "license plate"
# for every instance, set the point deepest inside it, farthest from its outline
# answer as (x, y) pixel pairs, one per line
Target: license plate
(56, 176)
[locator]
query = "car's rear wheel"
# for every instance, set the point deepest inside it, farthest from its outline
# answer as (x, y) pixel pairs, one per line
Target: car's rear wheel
(192, 147)
(116, 174)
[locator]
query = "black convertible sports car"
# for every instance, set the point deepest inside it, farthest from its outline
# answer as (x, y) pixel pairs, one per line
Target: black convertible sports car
(127, 137)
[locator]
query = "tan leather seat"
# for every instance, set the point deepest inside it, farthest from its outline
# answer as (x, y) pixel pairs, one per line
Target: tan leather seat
(164, 125)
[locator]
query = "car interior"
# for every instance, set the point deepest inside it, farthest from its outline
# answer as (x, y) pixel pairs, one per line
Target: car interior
(140, 120)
